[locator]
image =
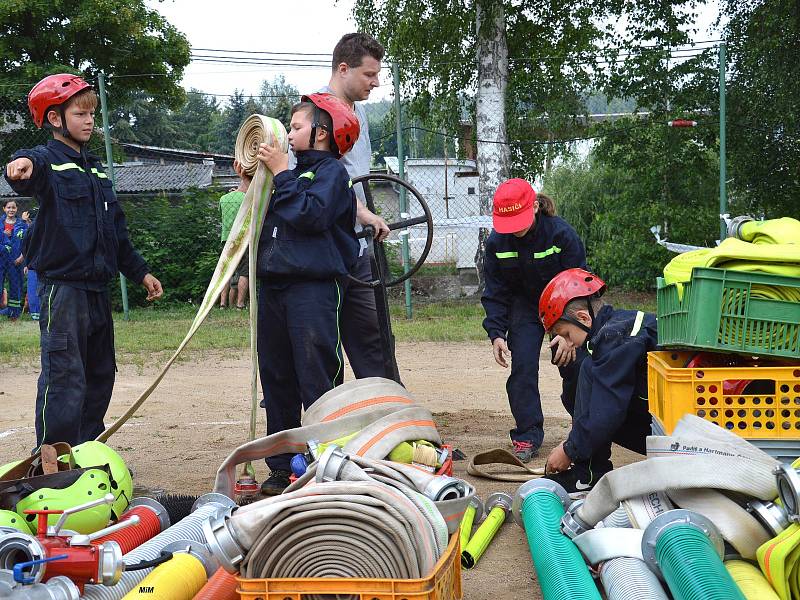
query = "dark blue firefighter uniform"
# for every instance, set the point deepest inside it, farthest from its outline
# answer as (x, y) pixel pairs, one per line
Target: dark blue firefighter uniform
(10, 250)
(33, 280)
(307, 245)
(79, 242)
(516, 271)
(611, 398)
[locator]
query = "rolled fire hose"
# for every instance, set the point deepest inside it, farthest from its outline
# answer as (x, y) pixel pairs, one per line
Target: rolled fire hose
(190, 528)
(562, 574)
(472, 515)
(181, 577)
(498, 505)
(56, 588)
(153, 519)
(774, 231)
(750, 580)
(221, 586)
(381, 411)
(698, 455)
(687, 549)
(244, 233)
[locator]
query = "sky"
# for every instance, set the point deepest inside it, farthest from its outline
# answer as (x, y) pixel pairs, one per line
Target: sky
(311, 26)
(308, 26)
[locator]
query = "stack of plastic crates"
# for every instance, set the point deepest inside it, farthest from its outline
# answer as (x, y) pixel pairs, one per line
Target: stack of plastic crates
(732, 356)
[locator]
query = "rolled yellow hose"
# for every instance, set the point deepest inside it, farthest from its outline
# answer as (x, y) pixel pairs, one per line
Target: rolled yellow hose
(180, 578)
(750, 580)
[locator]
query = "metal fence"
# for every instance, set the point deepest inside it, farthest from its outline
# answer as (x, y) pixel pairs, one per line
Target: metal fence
(171, 196)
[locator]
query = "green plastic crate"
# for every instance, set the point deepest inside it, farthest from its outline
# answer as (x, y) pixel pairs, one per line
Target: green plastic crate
(718, 311)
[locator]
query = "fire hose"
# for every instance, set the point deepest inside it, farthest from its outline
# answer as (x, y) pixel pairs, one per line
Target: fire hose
(347, 516)
(189, 528)
(472, 515)
(498, 505)
(562, 574)
(245, 232)
(750, 580)
(221, 586)
(379, 411)
(698, 455)
(687, 549)
(181, 577)
(57, 588)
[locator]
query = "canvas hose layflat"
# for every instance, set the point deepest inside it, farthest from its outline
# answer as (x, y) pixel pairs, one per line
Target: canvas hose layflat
(698, 455)
(244, 234)
(498, 456)
(370, 521)
(779, 560)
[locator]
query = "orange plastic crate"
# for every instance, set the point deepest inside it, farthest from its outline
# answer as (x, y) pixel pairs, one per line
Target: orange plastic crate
(772, 414)
(443, 584)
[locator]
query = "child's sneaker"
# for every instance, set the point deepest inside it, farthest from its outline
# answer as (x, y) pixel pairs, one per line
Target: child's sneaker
(277, 481)
(524, 451)
(577, 479)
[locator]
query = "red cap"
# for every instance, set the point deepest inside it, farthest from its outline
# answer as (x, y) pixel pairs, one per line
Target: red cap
(513, 206)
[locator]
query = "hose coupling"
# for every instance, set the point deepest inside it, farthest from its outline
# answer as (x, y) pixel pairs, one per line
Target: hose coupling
(444, 488)
(536, 486)
(787, 479)
(675, 518)
(16, 547)
(331, 464)
(199, 550)
(499, 500)
(213, 498)
(772, 516)
(155, 506)
(222, 542)
(735, 224)
(476, 503)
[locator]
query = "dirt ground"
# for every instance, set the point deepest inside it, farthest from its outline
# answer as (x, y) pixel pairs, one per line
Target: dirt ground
(199, 413)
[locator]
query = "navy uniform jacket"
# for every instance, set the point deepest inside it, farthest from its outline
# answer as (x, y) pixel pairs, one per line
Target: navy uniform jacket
(13, 244)
(81, 237)
(522, 267)
(308, 232)
(618, 344)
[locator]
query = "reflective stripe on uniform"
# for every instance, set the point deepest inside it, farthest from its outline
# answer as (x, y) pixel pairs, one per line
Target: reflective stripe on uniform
(68, 166)
(100, 174)
(507, 254)
(308, 175)
(637, 324)
(548, 252)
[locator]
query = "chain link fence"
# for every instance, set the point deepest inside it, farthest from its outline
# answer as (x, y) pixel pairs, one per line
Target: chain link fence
(171, 193)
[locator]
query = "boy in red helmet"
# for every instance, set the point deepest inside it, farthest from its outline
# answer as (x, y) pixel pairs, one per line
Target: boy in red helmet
(79, 243)
(307, 247)
(611, 397)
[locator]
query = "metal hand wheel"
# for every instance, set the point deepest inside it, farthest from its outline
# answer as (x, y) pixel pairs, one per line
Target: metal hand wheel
(390, 214)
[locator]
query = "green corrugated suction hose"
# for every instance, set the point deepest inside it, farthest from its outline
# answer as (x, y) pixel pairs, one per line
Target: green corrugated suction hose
(562, 573)
(687, 548)
(498, 505)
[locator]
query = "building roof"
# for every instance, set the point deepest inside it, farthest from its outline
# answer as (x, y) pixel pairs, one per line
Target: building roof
(173, 154)
(393, 166)
(138, 178)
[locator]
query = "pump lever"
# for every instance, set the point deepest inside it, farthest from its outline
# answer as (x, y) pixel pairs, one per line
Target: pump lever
(85, 540)
(107, 499)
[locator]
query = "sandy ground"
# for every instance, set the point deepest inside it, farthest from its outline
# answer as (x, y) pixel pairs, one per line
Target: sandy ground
(199, 413)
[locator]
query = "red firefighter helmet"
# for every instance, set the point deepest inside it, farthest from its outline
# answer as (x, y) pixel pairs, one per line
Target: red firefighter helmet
(562, 289)
(53, 90)
(345, 123)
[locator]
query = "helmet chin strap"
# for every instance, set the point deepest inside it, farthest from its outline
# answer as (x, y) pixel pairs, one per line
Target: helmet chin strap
(576, 322)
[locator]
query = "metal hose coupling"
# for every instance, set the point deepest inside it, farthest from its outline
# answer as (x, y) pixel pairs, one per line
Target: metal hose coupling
(332, 465)
(57, 588)
(772, 516)
(443, 488)
(787, 479)
(222, 541)
(571, 524)
(735, 225)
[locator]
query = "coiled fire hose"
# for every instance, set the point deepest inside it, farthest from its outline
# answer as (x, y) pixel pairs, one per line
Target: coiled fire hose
(181, 577)
(498, 505)
(562, 574)
(189, 528)
(698, 455)
(221, 586)
(688, 550)
(340, 520)
(379, 411)
(750, 580)
(57, 588)
(472, 515)
(153, 519)
(244, 233)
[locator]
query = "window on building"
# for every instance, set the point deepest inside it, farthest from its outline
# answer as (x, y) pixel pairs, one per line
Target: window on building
(471, 191)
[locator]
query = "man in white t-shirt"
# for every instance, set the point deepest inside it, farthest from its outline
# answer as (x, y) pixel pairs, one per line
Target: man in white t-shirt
(355, 68)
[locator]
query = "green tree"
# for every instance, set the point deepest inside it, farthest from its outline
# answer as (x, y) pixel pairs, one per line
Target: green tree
(277, 98)
(238, 109)
(196, 120)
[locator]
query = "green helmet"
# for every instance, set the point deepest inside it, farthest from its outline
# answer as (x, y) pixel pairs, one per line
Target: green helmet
(97, 454)
(8, 466)
(90, 485)
(11, 519)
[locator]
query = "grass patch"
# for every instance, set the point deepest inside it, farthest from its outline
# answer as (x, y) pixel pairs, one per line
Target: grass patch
(151, 333)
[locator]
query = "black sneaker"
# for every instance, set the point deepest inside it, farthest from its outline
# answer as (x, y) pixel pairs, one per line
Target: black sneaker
(277, 481)
(577, 479)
